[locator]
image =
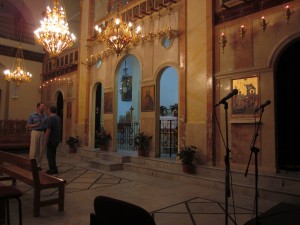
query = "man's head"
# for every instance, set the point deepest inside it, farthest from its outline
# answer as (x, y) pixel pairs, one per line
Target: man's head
(52, 109)
(40, 107)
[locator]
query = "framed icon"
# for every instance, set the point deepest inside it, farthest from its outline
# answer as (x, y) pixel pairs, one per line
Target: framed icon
(148, 98)
(247, 99)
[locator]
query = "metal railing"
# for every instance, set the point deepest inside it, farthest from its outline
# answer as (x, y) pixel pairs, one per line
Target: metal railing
(126, 132)
(168, 138)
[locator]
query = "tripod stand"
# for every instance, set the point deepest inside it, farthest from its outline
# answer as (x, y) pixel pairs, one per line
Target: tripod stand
(255, 150)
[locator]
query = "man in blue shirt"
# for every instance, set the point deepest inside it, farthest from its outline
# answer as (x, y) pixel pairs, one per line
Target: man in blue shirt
(37, 123)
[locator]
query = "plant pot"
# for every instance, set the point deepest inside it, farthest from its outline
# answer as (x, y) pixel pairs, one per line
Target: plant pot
(141, 152)
(72, 149)
(103, 147)
(188, 168)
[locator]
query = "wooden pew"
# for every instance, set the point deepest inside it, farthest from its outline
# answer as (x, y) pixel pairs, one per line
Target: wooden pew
(26, 170)
(14, 135)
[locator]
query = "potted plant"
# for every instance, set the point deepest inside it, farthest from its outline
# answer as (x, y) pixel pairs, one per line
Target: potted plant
(102, 139)
(72, 142)
(142, 141)
(187, 156)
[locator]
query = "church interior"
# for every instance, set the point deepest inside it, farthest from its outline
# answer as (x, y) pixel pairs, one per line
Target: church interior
(144, 88)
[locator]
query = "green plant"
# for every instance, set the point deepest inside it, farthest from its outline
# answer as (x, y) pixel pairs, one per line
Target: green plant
(142, 140)
(187, 154)
(163, 110)
(72, 141)
(102, 138)
(174, 107)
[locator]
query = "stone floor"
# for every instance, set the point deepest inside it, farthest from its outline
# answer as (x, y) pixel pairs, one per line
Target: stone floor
(170, 202)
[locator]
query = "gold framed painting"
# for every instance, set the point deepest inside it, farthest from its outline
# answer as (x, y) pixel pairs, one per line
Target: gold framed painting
(247, 99)
(148, 98)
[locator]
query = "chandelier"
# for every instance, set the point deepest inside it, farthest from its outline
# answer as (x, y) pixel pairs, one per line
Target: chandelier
(118, 35)
(18, 74)
(54, 33)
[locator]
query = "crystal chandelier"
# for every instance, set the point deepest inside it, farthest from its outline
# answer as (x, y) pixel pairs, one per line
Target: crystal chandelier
(118, 35)
(54, 33)
(18, 74)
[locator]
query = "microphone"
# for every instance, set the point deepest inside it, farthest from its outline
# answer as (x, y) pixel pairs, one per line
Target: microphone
(268, 102)
(230, 95)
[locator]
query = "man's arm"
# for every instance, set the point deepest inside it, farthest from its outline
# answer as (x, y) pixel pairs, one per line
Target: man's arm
(30, 123)
(47, 135)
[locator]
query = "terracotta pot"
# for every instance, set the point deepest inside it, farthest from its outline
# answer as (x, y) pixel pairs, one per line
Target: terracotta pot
(141, 152)
(103, 147)
(72, 149)
(188, 168)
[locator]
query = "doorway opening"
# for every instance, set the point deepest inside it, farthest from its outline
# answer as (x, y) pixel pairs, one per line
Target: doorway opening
(168, 119)
(287, 120)
(127, 80)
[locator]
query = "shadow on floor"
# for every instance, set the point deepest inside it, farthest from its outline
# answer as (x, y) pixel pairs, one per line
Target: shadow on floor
(280, 214)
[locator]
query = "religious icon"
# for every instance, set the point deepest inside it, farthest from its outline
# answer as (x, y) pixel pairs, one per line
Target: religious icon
(246, 101)
(148, 98)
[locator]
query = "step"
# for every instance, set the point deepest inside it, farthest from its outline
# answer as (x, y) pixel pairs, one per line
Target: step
(108, 161)
(105, 165)
(281, 186)
(273, 186)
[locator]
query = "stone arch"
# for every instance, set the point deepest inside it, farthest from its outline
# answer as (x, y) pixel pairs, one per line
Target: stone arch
(158, 75)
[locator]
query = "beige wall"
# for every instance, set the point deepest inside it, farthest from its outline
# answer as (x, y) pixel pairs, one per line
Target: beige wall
(255, 54)
(28, 93)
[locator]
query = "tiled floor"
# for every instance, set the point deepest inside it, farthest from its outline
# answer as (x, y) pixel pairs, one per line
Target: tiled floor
(170, 202)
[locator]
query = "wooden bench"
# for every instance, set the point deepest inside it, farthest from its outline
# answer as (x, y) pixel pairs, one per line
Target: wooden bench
(14, 141)
(14, 135)
(26, 170)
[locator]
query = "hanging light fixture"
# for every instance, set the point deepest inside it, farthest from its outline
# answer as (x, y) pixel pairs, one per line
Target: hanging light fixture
(263, 23)
(223, 40)
(18, 73)
(117, 34)
(242, 31)
(54, 33)
(223, 36)
(288, 12)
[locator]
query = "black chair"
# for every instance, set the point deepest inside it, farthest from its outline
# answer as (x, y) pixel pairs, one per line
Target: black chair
(7, 193)
(110, 211)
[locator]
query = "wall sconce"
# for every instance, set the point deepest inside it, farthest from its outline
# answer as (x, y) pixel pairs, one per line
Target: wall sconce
(223, 40)
(288, 13)
(242, 31)
(263, 23)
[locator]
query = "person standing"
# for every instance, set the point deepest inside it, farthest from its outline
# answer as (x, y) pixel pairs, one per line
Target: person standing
(37, 122)
(52, 138)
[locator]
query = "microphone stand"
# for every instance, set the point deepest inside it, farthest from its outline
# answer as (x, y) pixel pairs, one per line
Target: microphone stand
(255, 150)
(227, 164)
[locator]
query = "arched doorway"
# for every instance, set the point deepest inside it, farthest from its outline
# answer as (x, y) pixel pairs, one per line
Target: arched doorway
(168, 119)
(97, 112)
(127, 81)
(287, 120)
(60, 112)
